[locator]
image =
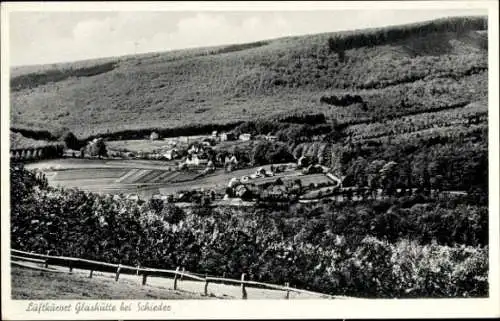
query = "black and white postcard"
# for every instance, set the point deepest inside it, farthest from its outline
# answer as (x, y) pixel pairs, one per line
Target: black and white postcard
(172, 160)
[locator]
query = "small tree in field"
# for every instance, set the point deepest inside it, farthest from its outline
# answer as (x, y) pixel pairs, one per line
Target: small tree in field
(97, 147)
(71, 141)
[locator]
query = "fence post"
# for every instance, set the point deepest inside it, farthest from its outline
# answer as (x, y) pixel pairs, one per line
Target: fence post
(47, 260)
(90, 275)
(182, 274)
(138, 266)
(224, 276)
(175, 277)
(70, 267)
(243, 288)
(287, 285)
(206, 285)
(144, 278)
(118, 272)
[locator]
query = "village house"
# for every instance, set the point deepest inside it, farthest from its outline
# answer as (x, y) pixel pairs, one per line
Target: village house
(210, 168)
(233, 182)
(196, 148)
(305, 160)
(171, 154)
(194, 160)
(209, 141)
(261, 171)
(241, 191)
(271, 138)
(230, 163)
(245, 137)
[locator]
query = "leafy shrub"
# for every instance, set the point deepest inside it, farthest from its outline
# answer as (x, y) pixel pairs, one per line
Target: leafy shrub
(345, 100)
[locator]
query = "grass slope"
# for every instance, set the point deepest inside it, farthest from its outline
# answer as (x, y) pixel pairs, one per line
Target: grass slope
(102, 286)
(427, 65)
(50, 286)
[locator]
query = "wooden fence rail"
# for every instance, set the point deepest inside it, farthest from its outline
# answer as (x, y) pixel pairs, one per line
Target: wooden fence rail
(178, 274)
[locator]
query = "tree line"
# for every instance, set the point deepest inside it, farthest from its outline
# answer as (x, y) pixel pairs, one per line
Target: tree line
(341, 42)
(32, 80)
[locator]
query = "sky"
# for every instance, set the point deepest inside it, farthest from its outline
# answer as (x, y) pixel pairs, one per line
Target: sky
(55, 36)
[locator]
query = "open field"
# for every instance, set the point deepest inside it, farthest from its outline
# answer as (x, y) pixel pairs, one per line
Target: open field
(75, 163)
(147, 146)
(147, 178)
(136, 145)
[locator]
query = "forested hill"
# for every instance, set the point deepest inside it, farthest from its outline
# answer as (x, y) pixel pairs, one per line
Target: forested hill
(396, 72)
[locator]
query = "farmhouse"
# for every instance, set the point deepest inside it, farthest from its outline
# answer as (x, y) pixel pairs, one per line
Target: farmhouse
(233, 182)
(195, 148)
(207, 142)
(194, 160)
(261, 171)
(245, 137)
(305, 161)
(231, 160)
(171, 154)
(230, 163)
(210, 168)
(271, 138)
(241, 191)
(154, 136)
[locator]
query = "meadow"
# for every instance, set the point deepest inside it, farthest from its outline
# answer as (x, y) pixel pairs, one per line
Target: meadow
(147, 178)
